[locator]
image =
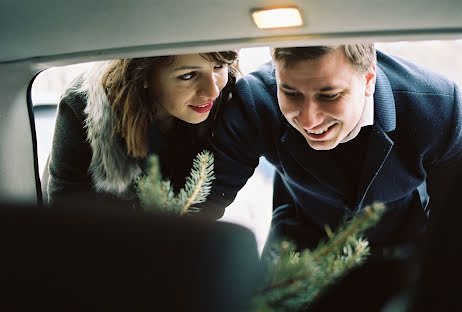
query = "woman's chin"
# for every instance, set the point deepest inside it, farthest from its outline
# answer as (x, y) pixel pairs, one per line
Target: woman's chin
(196, 119)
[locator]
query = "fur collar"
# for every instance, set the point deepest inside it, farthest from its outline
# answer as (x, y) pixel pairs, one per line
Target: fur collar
(111, 170)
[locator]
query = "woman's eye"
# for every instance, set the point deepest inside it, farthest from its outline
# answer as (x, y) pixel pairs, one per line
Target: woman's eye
(188, 76)
(219, 66)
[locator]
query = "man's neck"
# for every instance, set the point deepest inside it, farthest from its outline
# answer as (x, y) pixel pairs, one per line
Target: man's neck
(367, 119)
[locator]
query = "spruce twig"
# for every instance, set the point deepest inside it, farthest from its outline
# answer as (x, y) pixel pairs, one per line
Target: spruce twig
(369, 217)
(200, 180)
(296, 279)
(157, 195)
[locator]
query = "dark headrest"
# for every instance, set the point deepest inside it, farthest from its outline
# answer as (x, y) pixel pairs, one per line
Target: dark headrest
(70, 259)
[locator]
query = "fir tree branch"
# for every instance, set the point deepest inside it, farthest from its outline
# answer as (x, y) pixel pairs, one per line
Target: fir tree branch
(156, 194)
(285, 282)
(356, 225)
(297, 279)
(204, 159)
(164, 196)
(367, 219)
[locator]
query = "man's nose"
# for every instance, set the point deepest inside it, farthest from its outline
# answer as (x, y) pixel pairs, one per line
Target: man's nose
(310, 114)
(209, 87)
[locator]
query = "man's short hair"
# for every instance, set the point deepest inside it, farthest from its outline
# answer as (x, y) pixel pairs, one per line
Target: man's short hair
(361, 56)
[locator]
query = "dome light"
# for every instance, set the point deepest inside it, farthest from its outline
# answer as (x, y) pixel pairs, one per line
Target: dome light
(277, 17)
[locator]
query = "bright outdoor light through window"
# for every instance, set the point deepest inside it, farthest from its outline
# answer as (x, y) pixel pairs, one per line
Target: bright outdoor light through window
(253, 205)
(277, 18)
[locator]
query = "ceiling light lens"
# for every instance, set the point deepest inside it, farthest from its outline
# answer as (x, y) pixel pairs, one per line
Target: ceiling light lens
(277, 18)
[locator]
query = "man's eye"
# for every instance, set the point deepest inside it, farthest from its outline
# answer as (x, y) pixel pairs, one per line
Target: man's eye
(290, 94)
(329, 97)
(188, 76)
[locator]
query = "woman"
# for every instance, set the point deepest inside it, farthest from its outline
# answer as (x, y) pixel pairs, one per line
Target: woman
(119, 112)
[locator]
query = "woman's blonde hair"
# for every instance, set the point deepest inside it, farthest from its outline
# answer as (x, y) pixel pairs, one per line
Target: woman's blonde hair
(131, 107)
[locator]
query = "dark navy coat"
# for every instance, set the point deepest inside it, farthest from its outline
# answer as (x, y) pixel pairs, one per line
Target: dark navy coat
(413, 151)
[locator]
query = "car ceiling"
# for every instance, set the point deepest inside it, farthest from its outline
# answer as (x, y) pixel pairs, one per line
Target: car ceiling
(35, 35)
(56, 29)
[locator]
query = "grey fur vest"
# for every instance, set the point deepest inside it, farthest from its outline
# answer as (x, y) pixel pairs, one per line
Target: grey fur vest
(111, 170)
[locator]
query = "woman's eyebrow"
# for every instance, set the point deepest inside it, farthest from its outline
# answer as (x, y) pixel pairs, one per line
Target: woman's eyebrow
(187, 67)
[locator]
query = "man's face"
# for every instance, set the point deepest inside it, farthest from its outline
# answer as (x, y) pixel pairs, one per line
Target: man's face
(323, 98)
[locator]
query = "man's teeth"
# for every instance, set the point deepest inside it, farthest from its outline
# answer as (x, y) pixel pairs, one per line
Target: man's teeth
(318, 131)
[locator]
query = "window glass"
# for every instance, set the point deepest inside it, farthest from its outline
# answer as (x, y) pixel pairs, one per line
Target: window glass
(253, 205)
(47, 89)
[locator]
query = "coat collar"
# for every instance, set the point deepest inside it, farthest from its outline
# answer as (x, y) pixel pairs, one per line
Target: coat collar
(384, 103)
(380, 144)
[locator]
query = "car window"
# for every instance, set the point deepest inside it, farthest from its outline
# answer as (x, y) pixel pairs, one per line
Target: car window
(50, 85)
(253, 205)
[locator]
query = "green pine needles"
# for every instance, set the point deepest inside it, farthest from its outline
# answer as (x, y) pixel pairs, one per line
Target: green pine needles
(157, 195)
(294, 279)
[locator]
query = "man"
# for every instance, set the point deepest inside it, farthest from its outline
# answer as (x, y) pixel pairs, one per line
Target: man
(345, 126)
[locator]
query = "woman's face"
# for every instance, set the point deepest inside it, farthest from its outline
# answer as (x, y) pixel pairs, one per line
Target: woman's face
(187, 88)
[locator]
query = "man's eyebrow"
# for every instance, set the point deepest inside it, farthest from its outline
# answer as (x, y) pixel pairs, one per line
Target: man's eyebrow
(323, 89)
(328, 88)
(284, 86)
(187, 67)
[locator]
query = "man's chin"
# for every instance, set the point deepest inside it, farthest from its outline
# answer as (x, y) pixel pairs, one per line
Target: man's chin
(322, 145)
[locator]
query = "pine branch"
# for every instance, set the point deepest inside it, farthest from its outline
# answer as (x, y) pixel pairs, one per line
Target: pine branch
(200, 186)
(152, 191)
(368, 218)
(296, 279)
(157, 195)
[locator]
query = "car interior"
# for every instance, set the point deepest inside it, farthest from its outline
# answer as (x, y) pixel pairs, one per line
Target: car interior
(56, 260)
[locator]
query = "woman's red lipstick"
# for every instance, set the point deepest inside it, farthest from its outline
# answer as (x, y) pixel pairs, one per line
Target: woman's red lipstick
(202, 108)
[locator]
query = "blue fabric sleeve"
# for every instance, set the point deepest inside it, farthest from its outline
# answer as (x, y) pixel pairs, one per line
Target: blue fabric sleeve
(444, 176)
(236, 143)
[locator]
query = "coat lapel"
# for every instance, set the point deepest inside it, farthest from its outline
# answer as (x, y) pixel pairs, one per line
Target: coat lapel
(380, 145)
(378, 149)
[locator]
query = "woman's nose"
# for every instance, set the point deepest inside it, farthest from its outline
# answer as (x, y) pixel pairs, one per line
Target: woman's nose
(209, 87)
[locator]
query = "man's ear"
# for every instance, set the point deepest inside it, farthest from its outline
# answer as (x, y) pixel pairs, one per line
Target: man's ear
(370, 80)
(272, 53)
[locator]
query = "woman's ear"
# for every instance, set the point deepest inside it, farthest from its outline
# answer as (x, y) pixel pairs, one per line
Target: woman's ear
(145, 84)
